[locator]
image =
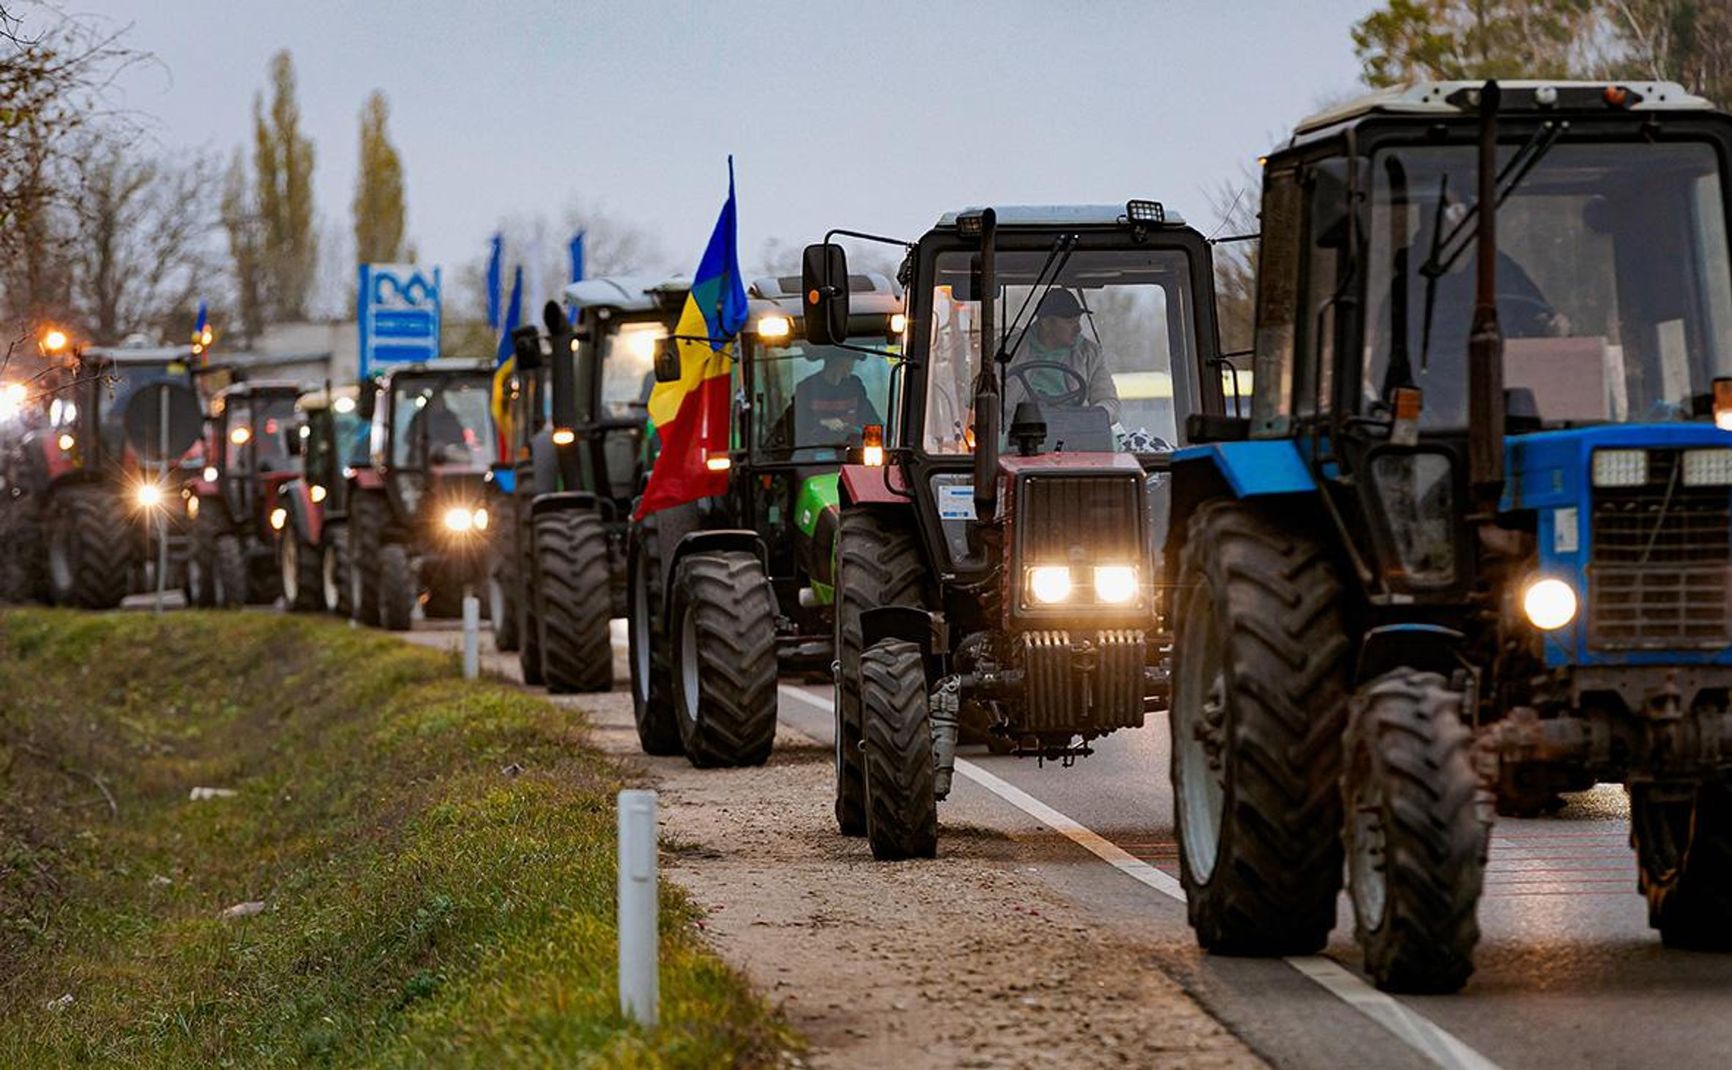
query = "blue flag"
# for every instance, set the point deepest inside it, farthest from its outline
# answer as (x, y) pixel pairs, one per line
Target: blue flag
(513, 315)
(576, 248)
(494, 280)
(716, 287)
(203, 318)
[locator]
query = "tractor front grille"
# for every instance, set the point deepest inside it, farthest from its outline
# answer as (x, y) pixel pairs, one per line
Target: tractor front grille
(1660, 566)
(1102, 514)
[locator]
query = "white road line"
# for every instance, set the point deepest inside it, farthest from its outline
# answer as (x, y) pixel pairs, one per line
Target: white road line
(1408, 1025)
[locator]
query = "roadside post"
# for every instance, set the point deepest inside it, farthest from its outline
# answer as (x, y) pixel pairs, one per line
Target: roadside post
(639, 972)
(471, 635)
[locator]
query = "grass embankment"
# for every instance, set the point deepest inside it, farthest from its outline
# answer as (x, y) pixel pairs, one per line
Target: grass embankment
(435, 859)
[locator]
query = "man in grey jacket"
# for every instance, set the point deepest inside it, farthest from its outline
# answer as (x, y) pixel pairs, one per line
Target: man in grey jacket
(1056, 337)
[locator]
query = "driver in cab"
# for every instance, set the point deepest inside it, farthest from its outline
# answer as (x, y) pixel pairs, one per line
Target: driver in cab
(830, 407)
(1058, 364)
(435, 432)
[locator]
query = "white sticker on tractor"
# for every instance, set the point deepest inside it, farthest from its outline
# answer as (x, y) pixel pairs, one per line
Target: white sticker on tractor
(1566, 531)
(956, 502)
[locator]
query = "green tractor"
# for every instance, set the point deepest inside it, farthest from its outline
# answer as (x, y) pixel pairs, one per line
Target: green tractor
(1473, 544)
(724, 591)
(577, 429)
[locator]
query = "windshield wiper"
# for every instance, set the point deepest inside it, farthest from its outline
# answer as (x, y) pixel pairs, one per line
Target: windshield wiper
(1460, 236)
(1055, 265)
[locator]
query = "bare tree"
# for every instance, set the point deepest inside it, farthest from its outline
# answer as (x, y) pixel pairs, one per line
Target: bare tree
(141, 239)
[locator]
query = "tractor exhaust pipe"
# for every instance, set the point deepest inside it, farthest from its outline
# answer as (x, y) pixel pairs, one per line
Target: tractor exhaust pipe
(986, 399)
(562, 370)
(1485, 401)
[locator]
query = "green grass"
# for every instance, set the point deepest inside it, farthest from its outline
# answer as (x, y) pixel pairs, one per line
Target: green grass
(436, 859)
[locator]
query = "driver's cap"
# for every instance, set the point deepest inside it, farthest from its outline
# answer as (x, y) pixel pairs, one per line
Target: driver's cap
(1059, 304)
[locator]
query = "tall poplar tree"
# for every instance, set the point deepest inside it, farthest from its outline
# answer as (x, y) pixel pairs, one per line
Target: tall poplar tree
(283, 162)
(379, 207)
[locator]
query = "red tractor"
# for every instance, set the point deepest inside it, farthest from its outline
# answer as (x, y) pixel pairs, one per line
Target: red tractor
(996, 566)
(236, 502)
(313, 543)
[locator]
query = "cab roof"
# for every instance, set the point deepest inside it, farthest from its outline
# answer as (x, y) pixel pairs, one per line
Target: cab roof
(627, 293)
(443, 364)
(259, 386)
(1054, 215)
(869, 294)
(139, 354)
(1520, 96)
(322, 398)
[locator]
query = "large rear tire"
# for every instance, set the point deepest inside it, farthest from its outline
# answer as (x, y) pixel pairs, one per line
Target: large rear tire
(1416, 833)
(1259, 707)
(1683, 845)
(89, 561)
(901, 807)
(396, 588)
(652, 690)
(21, 548)
(724, 615)
(201, 555)
(571, 556)
(879, 563)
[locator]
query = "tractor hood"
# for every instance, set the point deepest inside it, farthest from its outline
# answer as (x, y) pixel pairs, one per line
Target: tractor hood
(1554, 468)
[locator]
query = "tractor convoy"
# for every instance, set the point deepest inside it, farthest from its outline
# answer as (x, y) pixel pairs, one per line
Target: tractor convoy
(1453, 539)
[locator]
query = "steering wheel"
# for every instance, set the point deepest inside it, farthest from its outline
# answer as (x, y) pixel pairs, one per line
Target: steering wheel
(1075, 394)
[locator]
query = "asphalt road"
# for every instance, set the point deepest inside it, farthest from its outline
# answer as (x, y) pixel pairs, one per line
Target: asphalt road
(1569, 974)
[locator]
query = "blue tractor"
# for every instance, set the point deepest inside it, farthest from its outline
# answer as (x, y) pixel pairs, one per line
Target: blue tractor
(1471, 543)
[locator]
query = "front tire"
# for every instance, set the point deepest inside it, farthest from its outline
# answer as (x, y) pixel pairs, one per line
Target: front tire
(1416, 833)
(724, 613)
(879, 563)
(229, 569)
(901, 806)
(88, 559)
(396, 588)
(1683, 844)
(571, 557)
(502, 585)
(334, 566)
(367, 512)
(652, 691)
(1259, 707)
(301, 567)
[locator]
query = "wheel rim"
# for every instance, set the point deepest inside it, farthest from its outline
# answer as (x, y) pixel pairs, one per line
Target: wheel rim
(1199, 733)
(1365, 863)
(689, 665)
(328, 579)
(355, 600)
(640, 634)
(289, 566)
(194, 580)
(60, 560)
(495, 603)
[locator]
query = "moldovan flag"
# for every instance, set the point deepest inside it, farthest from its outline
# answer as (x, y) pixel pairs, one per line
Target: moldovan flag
(691, 416)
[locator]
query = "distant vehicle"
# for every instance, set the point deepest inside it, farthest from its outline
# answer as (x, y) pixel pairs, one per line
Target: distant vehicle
(313, 543)
(236, 500)
(418, 515)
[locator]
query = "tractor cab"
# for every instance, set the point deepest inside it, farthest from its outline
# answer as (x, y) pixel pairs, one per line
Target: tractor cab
(1493, 364)
(995, 560)
(331, 439)
(251, 450)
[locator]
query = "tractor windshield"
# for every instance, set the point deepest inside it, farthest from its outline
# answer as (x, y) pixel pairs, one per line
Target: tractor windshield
(812, 402)
(1095, 350)
(1614, 286)
(120, 381)
(628, 357)
(442, 422)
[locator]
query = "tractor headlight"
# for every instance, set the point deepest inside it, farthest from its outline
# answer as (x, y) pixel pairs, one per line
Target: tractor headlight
(66, 442)
(192, 507)
(147, 495)
(1707, 468)
(1620, 468)
(1549, 603)
(279, 517)
(480, 520)
(316, 492)
(1049, 583)
(1115, 584)
(460, 518)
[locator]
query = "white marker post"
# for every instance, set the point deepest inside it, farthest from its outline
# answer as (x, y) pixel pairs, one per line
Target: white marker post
(639, 973)
(471, 636)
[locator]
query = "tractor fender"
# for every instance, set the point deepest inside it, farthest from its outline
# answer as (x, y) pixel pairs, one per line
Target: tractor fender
(1426, 647)
(564, 501)
(57, 464)
(873, 485)
(543, 463)
(1269, 468)
(305, 518)
(716, 540)
(896, 622)
(369, 479)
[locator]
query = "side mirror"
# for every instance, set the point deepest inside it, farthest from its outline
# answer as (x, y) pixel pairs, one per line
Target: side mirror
(667, 360)
(553, 318)
(824, 286)
(526, 347)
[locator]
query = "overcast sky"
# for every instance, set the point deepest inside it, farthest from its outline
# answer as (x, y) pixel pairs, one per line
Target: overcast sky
(870, 114)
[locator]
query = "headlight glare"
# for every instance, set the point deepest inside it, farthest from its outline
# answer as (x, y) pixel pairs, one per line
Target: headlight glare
(459, 518)
(1115, 584)
(1049, 583)
(1549, 603)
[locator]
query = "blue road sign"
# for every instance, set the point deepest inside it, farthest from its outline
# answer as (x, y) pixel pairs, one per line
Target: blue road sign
(398, 313)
